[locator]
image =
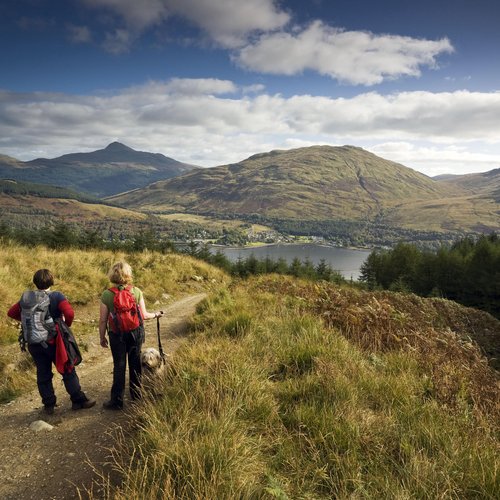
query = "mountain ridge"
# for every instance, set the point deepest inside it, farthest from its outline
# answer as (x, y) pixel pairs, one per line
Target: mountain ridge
(486, 184)
(104, 172)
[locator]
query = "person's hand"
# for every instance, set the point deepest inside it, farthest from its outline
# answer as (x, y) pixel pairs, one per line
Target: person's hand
(104, 342)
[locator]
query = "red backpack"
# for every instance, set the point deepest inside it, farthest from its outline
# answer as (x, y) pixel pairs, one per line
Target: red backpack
(126, 315)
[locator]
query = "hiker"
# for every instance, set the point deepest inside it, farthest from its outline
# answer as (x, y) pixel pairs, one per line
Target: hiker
(51, 305)
(125, 331)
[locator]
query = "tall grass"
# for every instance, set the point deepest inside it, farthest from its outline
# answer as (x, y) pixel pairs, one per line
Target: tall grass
(273, 399)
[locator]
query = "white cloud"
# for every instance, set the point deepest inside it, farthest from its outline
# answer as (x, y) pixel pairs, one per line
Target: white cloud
(119, 41)
(348, 56)
(253, 89)
(137, 14)
(255, 31)
(79, 34)
(211, 122)
(227, 22)
(433, 160)
(198, 86)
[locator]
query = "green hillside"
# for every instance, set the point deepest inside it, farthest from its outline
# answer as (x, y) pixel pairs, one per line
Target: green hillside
(326, 185)
(114, 169)
(12, 187)
(318, 182)
(28, 206)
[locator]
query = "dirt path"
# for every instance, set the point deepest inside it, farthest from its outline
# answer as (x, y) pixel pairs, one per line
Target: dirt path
(53, 464)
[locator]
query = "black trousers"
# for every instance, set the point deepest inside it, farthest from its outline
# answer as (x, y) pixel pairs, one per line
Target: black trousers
(43, 358)
(123, 346)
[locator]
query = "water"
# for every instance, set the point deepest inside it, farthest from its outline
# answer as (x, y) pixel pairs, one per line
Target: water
(345, 260)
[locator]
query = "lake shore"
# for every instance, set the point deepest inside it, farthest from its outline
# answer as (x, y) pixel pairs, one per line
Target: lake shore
(295, 243)
(347, 261)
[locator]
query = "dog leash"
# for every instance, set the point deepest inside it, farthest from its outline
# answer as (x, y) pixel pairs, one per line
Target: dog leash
(160, 348)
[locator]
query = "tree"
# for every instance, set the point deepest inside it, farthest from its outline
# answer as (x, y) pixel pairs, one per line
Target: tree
(325, 272)
(295, 268)
(220, 260)
(61, 236)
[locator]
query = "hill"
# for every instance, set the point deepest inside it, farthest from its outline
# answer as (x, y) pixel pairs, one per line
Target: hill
(483, 185)
(30, 205)
(12, 187)
(322, 183)
(317, 182)
(114, 169)
(290, 389)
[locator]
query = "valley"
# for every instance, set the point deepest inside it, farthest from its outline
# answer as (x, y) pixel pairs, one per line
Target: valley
(345, 196)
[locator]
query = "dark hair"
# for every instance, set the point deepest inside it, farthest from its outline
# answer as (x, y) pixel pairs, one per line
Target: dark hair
(43, 279)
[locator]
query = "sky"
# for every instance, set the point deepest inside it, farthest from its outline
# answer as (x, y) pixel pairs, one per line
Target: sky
(211, 82)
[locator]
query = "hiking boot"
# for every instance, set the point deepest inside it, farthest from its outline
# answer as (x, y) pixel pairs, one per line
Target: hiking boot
(83, 405)
(112, 405)
(49, 410)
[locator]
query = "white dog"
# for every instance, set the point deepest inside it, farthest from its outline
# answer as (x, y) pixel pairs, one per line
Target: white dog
(152, 362)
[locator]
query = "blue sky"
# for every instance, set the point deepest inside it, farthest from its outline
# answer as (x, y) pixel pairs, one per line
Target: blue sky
(214, 81)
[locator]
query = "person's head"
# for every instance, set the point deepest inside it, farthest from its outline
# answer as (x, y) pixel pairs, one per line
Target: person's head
(120, 273)
(43, 279)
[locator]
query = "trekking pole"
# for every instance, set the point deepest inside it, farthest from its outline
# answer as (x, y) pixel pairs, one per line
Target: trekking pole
(160, 348)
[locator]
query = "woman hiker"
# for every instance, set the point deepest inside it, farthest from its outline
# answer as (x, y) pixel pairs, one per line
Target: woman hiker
(122, 312)
(41, 339)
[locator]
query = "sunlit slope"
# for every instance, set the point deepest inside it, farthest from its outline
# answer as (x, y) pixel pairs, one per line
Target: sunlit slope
(319, 182)
(32, 204)
(484, 185)
(327, 183)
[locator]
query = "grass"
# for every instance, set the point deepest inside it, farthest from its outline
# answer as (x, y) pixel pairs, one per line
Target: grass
(284, 394)
(82, 276)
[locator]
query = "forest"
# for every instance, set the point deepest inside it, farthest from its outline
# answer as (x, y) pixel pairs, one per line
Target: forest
(467, 272)
(356, 233)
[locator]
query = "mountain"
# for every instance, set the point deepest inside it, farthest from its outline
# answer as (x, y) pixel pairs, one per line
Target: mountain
(315, 183)
(9, 161)
(486, 184)
(318, 182)
(114, 169)
(17, 188)
(322, 183)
